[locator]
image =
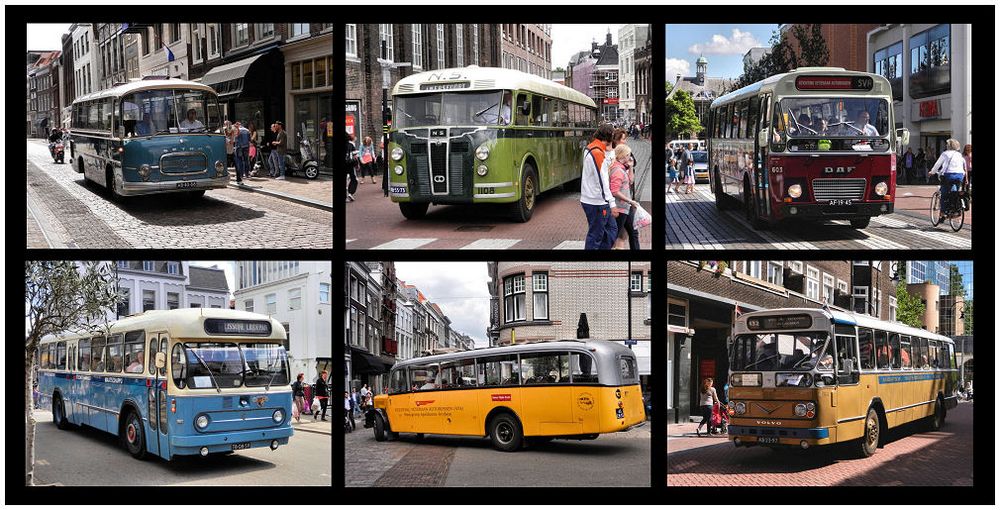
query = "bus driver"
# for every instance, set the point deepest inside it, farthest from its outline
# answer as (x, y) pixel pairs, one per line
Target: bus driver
(191, 123)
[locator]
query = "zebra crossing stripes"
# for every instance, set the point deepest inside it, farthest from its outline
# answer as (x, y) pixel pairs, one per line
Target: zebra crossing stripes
(490, 244)
(404, 243)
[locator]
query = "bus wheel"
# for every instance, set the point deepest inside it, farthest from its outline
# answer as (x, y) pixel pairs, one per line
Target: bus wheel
(413, 211)
(869, 441)
(380, 434)
(59, 412)
(860, 222)
(505, 432)
(936, 420)
(134, 435)
(109, 176)
(721, 202)
(524, 207)
(750, 207)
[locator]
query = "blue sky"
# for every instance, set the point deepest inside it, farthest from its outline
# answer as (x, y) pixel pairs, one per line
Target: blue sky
(723, 46)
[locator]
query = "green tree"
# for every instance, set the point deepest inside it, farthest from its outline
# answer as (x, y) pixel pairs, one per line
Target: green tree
(60, 296)
(968, 317)
(909, 308)
(682, 117)
(956, 286)
(812, 45)
(667, 86)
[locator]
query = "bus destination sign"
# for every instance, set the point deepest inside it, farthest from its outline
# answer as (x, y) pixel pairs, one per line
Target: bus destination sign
(834, 83)
(452, 85)
(237, 327)
(779, 322)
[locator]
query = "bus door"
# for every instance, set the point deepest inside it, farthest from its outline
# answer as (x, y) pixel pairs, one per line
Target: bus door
(156, 397)
(848, 395)
(548, 397)
(757, 121)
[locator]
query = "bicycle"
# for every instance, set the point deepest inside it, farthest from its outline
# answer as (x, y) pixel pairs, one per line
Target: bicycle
(954, 210)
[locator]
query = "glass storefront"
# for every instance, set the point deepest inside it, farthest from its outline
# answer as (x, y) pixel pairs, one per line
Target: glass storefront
(312, 120)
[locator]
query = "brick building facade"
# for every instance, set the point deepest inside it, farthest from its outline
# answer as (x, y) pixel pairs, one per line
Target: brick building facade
(408, 49)
(847, 44)
(702, 298)
(527, 48)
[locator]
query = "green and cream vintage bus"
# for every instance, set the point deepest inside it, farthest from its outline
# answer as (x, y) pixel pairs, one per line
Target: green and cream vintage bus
(478, 135)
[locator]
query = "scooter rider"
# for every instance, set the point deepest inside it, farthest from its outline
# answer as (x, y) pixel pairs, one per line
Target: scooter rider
(55, 137)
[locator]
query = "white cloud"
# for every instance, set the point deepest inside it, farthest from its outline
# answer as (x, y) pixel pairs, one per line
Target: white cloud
(675, 66)
(459, 288)
(738, 44)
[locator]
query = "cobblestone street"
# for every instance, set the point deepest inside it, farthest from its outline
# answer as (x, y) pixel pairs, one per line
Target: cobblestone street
(439, 461)
(63, 211)
(911, 457)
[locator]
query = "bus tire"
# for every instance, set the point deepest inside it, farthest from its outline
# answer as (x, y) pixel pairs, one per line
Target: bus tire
(109, 179)
(860, 223)
(412, 211)
(525, 206)
(380, 428)
(721, 201)
(936, 420)
(134, 435)
(869, 440)
(750, 207)
(506, 433)
(59, 412)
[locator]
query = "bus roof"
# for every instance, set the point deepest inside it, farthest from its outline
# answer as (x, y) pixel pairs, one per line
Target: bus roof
(598, 347)
(778, 80)
(853, 319)
(489, 78)
(179, 323)
(133, 86)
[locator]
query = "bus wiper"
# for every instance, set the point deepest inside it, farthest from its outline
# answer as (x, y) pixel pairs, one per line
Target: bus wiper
(268, 387)
(807, 356)
(800, 126)
(760, 361)
(484, 110)
(211, 374)
(851, 125)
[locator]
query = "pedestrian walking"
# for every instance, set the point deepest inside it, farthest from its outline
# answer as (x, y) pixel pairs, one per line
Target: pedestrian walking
(242, 151)
(366, 155)
(230, 134)
(967, 155)
(919, 165)
(322, 388)
(707, 398)
(672, 173)
(355, 402)
(908, 170)
(298, 396)
(351, 162)
(595, 193)
(686, 168)
(621, 178)
(280, 144)
(349, 423)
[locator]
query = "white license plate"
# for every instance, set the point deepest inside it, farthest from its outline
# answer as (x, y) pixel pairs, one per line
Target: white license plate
(240, 446)
(186, 184)
(767, 440)
(397, 189)
(841, 202)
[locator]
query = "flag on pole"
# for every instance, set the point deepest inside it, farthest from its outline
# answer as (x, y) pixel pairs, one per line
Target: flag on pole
(170, 54)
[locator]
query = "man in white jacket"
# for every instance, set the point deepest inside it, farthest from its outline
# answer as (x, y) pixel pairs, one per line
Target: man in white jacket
(595, 192)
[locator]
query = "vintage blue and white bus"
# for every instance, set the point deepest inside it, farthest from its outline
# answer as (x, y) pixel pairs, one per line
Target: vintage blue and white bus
(150, 136)
(190, 381)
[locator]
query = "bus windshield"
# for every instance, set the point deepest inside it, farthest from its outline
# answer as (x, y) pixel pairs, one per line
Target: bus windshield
(168, 111)
(211, 365)
(453, 109)
(266, 364)
(863, 121)
(781, 351)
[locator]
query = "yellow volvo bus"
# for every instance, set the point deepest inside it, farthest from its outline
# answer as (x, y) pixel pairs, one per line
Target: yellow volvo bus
(485, 135)
(805, 377)
(538, 392)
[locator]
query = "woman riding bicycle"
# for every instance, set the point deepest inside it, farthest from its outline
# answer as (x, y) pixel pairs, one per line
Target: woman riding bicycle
(951, 164)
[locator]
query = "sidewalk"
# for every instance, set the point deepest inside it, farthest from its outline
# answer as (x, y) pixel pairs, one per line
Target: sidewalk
(316, 193)
(308, 424)
(682, 430)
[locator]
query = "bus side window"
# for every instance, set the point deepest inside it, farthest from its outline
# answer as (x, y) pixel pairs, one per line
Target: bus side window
(97, 354)
(883, 355)
(113, 358)
(866, 344)
(582, 368)
(847, 355)
(61, 356)
(537, 110)
(904, 352)
(521, 118)
(84, 349)
(933, 348)
(151, 366)
(544, 368)
(397, 381)
(178, 362)
(133, 356)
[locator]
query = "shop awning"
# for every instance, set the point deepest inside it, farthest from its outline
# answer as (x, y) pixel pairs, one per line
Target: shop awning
(364, 362)
(227, 79)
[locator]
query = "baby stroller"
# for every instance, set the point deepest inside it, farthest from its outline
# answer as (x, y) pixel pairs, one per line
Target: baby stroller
(720, 420)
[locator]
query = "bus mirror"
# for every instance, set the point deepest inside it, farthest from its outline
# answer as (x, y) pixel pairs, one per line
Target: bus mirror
(161, 360)
(903, 137)
(526, 107)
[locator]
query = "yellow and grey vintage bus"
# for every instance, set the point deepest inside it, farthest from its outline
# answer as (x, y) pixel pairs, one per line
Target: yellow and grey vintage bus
(804, 377)
(484, 135)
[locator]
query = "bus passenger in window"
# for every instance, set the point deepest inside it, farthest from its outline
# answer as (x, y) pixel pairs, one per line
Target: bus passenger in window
(135, 367)
(505, 108)
(191, 123)
(862, 124)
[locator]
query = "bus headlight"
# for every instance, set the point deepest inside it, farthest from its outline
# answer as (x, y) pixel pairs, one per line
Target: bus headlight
(881, 189)
(800, 409)
(219, 167)
(482, 152)
(481, 171)
(795, 191)
(396, 154)
(740, 407)
(398, 169)
(201, 421)
(144, 172)
(278, 416)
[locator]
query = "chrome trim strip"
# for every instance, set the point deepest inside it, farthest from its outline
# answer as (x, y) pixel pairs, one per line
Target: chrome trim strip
(98, 408)
(493, 195)
(492, 185)
(845, 420)
(242, 419)
(909, 406)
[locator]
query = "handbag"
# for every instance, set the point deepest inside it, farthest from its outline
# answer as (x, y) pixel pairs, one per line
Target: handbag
(366, 157)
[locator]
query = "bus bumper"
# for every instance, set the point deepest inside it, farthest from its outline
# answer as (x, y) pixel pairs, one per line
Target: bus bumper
(145, 188)
(750, 436)
(836, 212)
(224, 441)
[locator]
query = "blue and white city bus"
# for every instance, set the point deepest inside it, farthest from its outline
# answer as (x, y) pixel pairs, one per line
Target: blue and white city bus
(173, 382)
(150, 136)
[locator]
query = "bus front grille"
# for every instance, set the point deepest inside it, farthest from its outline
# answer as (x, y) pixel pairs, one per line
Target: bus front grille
(838, 189)
(439, 167)
(183, 163)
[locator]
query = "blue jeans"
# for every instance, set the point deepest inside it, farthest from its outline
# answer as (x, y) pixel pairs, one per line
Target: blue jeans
(601, 227)
(950, 184)
(242, 162)
(277, 162)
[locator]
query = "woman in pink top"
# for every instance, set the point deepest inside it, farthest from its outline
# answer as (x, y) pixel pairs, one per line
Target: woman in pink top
(621, 177)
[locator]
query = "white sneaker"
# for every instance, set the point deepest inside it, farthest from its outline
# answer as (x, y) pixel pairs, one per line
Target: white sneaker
(350, 197)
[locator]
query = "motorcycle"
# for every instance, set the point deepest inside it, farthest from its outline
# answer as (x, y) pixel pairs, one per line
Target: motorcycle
(58, 151)
(306, 164)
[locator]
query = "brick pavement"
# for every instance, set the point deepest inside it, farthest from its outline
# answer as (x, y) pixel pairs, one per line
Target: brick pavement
(693, 222)
(225, 218)
(911, 457)
(374, 221)
(35, 237)
(319, 190)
